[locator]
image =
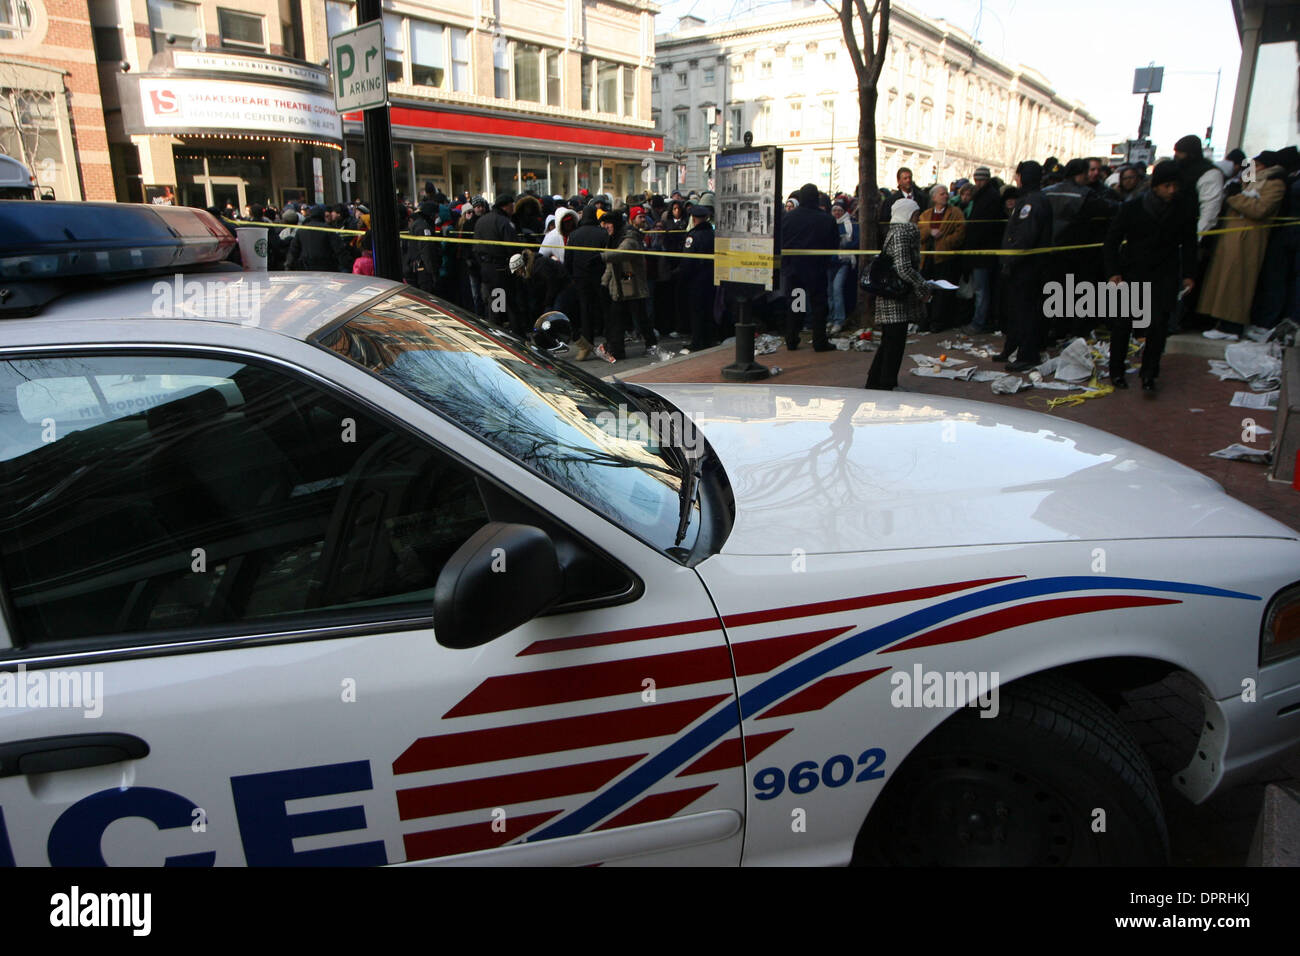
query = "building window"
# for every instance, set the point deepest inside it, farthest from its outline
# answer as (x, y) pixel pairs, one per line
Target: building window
(765, 70)
(501, 70)
(460, 60)
(796, 64)
(428, 54)
(763, 122)
(528, 72)
(339, 16)
(829, 58)
(15, 19)
(588, 80)
(796, 119)
(654, 83)
(553, 87)
(681, 128)
(734, 131)
(606, 87)
(681, 81)
(737, 72)
(176, 19)
(243, 30)
(629, 91)
(395, 45)
(708, 76)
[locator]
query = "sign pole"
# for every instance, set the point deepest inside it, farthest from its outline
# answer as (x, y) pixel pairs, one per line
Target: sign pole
(378, 135)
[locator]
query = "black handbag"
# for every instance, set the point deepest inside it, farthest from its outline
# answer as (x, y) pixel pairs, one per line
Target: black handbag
(882, 279)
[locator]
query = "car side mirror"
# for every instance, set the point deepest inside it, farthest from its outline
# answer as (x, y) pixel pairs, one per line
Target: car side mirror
(502, 577)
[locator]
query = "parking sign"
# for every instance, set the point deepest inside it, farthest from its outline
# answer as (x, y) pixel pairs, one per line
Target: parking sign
(360, 73)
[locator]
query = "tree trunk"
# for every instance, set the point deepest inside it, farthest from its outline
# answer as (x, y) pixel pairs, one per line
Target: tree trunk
(868, 190)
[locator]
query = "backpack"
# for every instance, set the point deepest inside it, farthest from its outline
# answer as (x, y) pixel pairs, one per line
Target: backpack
(883, 280)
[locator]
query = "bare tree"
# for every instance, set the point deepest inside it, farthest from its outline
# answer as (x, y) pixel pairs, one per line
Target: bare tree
(866, 34)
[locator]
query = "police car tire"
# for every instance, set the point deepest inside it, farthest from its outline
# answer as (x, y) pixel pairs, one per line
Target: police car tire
(1056, 753)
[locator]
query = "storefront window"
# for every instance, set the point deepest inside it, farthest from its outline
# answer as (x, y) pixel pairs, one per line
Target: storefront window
(505, 173)
(173, 18)
(1273, 112)
(535, 175)
(588, 170)
(429, 167)
(428, 55)
(459, 59)
(607, 87)
(528, 76)
(29, 131)
(466, 173)
(395, 46)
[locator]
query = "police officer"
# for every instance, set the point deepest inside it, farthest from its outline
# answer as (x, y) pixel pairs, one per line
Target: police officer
(1030, 227)
(420, 259)
(697, 277)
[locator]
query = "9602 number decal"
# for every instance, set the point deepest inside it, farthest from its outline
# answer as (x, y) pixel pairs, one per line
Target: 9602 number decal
(805, 776)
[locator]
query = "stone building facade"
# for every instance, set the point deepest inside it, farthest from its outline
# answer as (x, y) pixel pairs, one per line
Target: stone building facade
(945, 106)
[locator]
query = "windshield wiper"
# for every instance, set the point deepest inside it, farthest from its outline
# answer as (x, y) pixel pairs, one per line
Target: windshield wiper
(689, 491)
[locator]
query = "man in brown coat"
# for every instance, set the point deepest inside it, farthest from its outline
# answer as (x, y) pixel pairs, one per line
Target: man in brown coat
(1230, 282)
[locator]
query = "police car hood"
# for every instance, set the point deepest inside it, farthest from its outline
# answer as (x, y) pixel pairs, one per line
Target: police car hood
(838, 470)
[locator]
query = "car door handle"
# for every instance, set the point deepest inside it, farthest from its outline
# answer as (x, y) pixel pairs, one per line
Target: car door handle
(68, 752)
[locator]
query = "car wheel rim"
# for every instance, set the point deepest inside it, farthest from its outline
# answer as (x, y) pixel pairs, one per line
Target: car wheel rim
(971, 811)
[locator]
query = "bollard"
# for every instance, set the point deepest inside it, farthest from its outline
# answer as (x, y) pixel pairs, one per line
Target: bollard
(745, 369)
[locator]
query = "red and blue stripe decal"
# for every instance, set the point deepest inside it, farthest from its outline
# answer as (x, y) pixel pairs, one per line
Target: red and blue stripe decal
(808, 684)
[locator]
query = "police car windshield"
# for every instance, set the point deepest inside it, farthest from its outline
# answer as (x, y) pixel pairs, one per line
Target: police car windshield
(574, 430)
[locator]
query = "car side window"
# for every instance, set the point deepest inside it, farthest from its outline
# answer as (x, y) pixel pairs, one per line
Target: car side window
(143, 494)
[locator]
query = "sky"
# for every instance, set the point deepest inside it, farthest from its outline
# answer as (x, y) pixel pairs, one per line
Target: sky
(1087, 51)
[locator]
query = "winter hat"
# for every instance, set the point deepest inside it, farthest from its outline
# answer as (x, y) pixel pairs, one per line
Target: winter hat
(290, 217)
(839, 204)
(316, 212)
(1166, 171)
(981, 173)
(901, 210)
(505, 199)
(635, 211)
(1031, 175)
(478, 201)
(517, 262)
(700, 211)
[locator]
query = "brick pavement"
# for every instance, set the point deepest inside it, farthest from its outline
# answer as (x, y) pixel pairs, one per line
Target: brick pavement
(1165, 717)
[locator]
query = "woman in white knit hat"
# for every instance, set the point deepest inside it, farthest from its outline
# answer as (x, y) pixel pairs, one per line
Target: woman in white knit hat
(903, 248)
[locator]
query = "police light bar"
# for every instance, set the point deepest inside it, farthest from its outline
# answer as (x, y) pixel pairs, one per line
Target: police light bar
(60, 240)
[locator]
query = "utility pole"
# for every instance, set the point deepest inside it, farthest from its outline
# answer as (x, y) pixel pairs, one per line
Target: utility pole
(379, 154)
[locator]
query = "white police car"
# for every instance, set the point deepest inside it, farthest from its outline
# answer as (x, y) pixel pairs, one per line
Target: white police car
(313, 569)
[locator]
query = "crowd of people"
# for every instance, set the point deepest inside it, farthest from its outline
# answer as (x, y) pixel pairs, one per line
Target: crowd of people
(1181, 226)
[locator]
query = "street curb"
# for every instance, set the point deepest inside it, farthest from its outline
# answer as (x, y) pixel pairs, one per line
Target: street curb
(613, 376)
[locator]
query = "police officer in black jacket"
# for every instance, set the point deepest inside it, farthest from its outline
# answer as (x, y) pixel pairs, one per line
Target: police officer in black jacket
(804, 278)
(697, 277)
(494, 261)
(419, 257)
(1030, 227)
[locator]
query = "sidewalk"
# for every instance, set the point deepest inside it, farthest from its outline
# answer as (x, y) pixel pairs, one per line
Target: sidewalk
(1166, 422)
